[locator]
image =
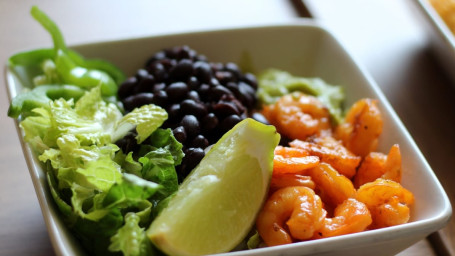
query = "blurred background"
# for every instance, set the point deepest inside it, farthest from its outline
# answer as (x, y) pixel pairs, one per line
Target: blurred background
(387, 37)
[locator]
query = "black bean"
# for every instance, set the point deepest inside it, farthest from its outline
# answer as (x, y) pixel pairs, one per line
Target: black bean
(127, 87)
(158, 71)
(217, 66)
(193, 83)
(199, 142)
(159, 87)
(138, 100)
(145, 84)
(191, 107)
(180, 134)
(209, 122)
(218, 91)
(141, 73)
(182, 70)
(229, 122)
(193, 158)
(193, 95)
(225, 109)
(251, 80)
(174, 111)
(224, 77)
(191, 125)
(202, 71)
(247, 94)
(177, 91)
(233, 87)
(157, 56)
(214, 81)
(160, 98)
(203, 91)
(201, 57)
(168, 64)
(260, 118)
(128, 143)
(233, 68)
(183, 52)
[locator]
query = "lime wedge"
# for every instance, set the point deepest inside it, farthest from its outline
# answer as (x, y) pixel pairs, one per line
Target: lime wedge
(217, 204)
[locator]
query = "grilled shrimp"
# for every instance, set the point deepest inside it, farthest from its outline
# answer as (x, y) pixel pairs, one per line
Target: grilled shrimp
(297, 209)
(298, 116)
(361, 127)
(331, 186)
(377, 165)
(292, 160)
(331, 151)
(351, 216)
(387, 201)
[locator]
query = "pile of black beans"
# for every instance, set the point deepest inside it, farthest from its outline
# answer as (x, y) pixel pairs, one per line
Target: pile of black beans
(203, 99)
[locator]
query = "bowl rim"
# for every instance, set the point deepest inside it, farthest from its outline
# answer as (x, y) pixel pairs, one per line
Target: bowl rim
(437, 23)
(436, 221)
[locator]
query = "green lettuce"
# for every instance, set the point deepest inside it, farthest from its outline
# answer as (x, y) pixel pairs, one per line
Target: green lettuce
(93, 183)
(131, 239)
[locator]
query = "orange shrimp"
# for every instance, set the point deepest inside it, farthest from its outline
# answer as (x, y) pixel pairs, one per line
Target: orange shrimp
(331, 151)
(289, 180)
(387, 201)
(298, 115)
(332, 187)
(292, 160)
(393, 165)
(297, 208)
(377, 165)
(350, 217)
(361, 127)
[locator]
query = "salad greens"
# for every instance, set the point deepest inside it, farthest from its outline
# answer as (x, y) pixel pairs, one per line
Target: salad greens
(91, 179)
(107, 197)
(274, 83)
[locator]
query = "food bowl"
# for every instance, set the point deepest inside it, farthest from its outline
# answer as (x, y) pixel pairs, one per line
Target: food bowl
(442, 39)
(302, 48)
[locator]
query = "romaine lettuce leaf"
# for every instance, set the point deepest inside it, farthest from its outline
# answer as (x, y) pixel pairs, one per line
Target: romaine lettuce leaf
(145, 119)
(131, 239)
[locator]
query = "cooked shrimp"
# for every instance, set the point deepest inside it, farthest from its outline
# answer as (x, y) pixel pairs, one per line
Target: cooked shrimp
(290, 180)
(377, 165)
(332, 187)
(393, 165)
(361, 127)
(292, 160)
(350, 217)
(331, 151)
(290, 152)
(387, 201)
(299, 208)
(298, 115)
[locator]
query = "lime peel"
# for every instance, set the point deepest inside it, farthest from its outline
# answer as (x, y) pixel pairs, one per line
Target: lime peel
(217, 204)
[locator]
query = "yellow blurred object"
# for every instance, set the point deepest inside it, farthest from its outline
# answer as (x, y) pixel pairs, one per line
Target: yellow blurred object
(446, 9)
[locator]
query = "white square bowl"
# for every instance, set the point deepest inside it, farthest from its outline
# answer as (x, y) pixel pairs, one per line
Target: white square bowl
(303, 48)
(441, 38)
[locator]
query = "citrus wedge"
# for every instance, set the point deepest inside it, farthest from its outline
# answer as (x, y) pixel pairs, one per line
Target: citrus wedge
(217, 204)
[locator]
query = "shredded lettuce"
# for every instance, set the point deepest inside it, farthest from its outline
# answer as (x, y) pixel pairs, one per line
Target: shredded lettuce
(131, 239)
(94, 184)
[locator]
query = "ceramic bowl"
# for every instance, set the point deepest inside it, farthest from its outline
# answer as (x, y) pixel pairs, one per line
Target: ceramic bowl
(303, 48)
